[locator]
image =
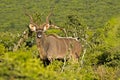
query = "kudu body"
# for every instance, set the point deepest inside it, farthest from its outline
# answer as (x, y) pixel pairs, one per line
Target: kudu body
(53, 47)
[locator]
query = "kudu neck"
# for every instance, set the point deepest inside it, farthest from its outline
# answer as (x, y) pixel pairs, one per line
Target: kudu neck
(41, 44)
(43, 38)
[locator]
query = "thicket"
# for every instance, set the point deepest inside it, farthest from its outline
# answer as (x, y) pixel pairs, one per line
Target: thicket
(100, 59)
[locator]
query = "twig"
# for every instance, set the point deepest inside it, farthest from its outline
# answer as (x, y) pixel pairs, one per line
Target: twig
(82, 60)
(24, 36)
(63, 64)
(84, 52)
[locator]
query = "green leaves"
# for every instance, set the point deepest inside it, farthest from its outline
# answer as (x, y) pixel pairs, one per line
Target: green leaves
(92, 21)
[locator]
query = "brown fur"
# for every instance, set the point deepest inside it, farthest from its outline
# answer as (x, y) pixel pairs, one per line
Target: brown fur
(52, 47)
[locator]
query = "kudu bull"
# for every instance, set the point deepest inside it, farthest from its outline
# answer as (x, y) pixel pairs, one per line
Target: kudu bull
(53, 47)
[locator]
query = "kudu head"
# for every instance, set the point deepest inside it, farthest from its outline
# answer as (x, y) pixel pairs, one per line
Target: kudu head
(39, 29)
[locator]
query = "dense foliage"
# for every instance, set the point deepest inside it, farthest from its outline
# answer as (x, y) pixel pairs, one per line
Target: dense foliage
(95, 22)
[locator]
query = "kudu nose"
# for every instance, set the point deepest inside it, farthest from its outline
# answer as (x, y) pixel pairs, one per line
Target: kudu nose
(39, 34)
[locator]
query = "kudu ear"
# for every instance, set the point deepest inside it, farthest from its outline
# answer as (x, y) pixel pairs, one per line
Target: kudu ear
(46, 27)
(32, 27)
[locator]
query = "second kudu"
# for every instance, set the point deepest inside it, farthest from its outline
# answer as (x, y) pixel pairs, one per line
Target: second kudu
(53, 47)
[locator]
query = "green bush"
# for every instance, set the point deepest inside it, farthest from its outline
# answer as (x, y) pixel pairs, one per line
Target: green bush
(2, 49)
(91, 21)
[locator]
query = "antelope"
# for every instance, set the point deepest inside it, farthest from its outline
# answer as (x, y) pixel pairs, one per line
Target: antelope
(54, 47)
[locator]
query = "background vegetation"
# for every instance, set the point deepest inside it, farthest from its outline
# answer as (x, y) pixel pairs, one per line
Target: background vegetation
(95, 22)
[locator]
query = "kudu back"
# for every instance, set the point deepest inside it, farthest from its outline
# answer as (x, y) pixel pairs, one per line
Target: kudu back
(53, 47)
